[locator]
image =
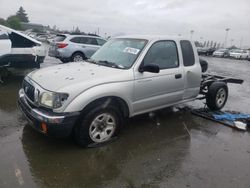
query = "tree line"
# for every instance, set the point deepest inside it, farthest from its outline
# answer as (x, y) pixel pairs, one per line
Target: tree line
(14, 21)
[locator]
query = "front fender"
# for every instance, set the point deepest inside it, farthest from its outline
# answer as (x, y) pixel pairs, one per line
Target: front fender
(123, 90)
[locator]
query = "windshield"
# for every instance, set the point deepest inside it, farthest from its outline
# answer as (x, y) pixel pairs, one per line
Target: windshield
(237, 51)
(119, 53)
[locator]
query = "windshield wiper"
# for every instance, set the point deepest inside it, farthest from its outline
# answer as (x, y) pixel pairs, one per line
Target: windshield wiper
(91, 61)
(111, 64)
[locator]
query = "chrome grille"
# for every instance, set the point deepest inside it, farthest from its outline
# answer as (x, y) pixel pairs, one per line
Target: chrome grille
(29, 90)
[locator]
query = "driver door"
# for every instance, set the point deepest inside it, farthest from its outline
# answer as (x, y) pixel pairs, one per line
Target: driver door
(156, 90)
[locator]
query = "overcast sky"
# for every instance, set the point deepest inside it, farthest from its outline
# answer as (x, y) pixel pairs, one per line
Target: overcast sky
(207, 18)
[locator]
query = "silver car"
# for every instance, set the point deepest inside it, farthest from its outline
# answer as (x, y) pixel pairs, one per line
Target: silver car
(221, 53)
(74, 47)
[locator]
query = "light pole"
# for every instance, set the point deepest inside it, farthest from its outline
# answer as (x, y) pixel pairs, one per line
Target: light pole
(241, 39)
(232, 40)
(191, 33)
(227, 29)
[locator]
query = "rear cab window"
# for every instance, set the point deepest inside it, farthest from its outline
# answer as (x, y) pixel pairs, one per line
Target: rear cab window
(187, 53)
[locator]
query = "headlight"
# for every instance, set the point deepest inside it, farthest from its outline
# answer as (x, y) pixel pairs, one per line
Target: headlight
(53, 100)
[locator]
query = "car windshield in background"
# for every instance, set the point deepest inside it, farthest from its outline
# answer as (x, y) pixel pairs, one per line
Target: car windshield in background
(238, 51)
(59, 38)
(119, 53)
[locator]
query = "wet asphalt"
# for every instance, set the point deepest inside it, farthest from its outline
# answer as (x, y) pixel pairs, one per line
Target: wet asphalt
(150, 152)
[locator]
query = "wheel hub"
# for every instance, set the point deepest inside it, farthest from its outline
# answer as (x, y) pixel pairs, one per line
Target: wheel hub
(220, 97)
(102, 127)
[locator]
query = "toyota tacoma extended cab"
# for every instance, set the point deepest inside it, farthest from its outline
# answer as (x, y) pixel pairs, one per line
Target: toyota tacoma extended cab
(127, 76)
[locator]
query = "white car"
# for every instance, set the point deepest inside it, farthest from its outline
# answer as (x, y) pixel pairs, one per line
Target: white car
(221, 53)
(18, 50)
(239, 54)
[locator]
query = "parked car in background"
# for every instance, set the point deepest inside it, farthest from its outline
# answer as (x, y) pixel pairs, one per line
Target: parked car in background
(221, 53)
(18, 50)
(74, 47)
(206, 51)
(42, 38)
(239, 54)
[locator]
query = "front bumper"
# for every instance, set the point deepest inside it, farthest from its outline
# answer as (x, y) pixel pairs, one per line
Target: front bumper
(48, 123)
(235, 56)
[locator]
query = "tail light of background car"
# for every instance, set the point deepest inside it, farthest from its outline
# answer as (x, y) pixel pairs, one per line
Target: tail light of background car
(61, 45)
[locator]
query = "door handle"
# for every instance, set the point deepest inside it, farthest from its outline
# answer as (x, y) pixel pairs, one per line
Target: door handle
(178, 76)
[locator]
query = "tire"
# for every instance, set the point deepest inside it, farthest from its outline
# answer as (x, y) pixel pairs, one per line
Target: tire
(217, 95)
(91, 129)
(76, 57)
(64, 60)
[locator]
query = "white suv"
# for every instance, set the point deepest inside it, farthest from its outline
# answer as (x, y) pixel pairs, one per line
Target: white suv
(74, 47)
(19, 50)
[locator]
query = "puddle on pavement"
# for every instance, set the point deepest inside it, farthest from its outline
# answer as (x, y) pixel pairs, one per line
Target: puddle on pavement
(144, 152)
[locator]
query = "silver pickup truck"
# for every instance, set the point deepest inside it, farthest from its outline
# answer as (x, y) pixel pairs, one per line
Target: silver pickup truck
(127, 76)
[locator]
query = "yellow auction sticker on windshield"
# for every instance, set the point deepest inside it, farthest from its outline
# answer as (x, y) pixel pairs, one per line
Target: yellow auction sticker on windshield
(131, 50)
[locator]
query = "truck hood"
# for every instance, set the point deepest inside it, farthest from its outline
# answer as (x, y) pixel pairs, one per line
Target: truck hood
(79, 76)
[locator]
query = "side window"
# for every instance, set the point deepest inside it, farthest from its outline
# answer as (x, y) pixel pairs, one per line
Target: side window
(187, 53)
(100, 42)
(76, 40)
(164, 54)
(83, 40)
(87, 40)
(92, 41)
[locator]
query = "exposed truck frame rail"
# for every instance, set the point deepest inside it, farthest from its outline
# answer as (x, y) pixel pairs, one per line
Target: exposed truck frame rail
(208, 79)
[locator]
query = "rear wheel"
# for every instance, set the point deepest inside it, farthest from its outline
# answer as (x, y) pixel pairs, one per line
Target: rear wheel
(217, 95)
(76, 57)
(98, 125)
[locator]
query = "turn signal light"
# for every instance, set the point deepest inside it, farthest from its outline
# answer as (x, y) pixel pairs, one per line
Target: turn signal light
(44, 127)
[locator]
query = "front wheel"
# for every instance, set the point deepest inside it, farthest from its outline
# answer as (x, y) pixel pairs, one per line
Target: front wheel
(98, 126)
(76, 57)
(217, 95)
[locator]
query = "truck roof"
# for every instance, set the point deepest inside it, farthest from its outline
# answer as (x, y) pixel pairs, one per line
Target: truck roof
(154, 37)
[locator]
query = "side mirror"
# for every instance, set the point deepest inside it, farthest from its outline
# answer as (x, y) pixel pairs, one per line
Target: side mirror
(149, 68)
